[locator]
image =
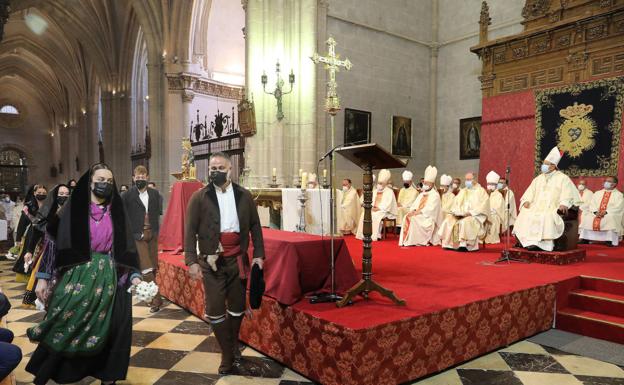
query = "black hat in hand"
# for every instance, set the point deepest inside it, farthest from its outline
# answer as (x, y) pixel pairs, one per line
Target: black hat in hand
(256, 287)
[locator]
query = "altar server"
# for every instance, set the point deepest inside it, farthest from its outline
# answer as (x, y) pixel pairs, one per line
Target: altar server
(384, 206)
(407, 196)
(509, 218)
(446, 195)
(586, 197)
(552, 192)
(464, 226)
(420, 224)
(497, 208)
(348, 208)
(602, 219)
(219, 220)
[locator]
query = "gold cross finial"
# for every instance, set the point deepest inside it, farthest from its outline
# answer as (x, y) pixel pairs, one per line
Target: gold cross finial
(332, 65)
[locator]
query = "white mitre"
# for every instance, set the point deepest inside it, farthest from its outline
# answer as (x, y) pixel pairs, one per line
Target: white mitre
(431, 173)
(446, 180)
(384, 176)
(407, 176)
(554, 156)
(492, 177)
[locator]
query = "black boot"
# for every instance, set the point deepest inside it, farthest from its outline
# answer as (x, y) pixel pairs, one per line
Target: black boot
(223, 333)
(235, 323)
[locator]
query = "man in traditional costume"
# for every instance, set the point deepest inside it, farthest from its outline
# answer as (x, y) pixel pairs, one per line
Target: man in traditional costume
(407, 196)
(552, 192)
(602, 219)
(586, 197)
(497, 208)
(464, 226)
(384, 206)
(446, 195)
(348, 208)
(420, 224)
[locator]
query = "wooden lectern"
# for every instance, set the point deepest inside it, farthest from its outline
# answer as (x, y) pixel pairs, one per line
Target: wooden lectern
(369, 156)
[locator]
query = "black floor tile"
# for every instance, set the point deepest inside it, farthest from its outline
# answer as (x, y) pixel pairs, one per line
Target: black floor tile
(157, 358)
(176, 314)
(193, 327)
(487, 377)
(185, 378)
(532, 363)
(591, 380)
(36, 318)
(209, 345)
(144, 338)
(136, 320)
(260, 367)
(556, 351)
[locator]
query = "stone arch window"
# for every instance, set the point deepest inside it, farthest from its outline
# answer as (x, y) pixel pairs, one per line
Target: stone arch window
(13, 171)
(140, 95)
(9, 109)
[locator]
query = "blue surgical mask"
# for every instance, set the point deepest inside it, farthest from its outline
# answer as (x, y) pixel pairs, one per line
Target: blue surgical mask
(468, 184)
(545, 168)
(499, 186)
(607, 185)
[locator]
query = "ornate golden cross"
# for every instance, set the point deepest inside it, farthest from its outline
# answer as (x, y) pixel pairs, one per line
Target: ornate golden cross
(332, 65)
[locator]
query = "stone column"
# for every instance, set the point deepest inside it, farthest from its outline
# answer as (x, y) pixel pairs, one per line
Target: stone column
(284, 31)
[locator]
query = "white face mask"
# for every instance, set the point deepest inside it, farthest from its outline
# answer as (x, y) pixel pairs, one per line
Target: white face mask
(491, 187)
(608, 185)
(581, 187)
(426, 188)
(455, 186)
(380, 187)
(345, 188)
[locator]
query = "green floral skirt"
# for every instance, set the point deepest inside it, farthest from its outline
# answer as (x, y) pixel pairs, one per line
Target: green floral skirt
(79, 314)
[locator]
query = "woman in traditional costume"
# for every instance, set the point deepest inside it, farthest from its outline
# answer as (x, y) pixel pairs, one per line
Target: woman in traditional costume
(25, 233)
(88, 327)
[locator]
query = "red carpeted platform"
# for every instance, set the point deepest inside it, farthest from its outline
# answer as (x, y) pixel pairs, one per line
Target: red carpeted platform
(549, 257)
(459, 306)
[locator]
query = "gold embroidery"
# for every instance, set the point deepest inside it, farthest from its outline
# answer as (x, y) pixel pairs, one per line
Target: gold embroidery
(576, 134)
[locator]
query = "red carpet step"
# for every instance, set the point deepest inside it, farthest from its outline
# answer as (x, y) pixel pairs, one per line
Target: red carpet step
(549, 257)
(596, 309)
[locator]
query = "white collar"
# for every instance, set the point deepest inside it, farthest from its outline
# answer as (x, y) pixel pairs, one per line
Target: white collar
(220, 190)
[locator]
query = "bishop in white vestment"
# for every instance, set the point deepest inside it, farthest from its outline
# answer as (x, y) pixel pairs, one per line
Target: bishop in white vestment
(407, 196)
(539, 223)
(510, 217)
(348, 208)
(384, 206)
(420, 224)
(586, 197)
(602, 219)
(464, 226)
(497, 208)
(446, 196)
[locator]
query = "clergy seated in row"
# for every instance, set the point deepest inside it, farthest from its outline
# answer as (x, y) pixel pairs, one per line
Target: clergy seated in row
(446, 194)
(586, 197)
(510, 218)
(463, 228)
(407, 196)
(349, 208)
(497, 208)
(456, 186)
(550, 195)
(602, 218)
(384, 206)
(420, 224)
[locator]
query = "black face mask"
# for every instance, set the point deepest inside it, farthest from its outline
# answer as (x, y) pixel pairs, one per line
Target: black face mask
(103, 190)
(407, 185)
(61, 200)
(218, 177)
(41, 197)
(141, 184)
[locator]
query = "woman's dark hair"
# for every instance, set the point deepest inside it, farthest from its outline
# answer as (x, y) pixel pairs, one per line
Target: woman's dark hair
(38, 186)
(98, 166)
(122, 186)
(70, 182)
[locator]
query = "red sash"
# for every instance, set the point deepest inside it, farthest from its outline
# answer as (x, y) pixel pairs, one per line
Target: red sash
(603, 207)
(231, 244)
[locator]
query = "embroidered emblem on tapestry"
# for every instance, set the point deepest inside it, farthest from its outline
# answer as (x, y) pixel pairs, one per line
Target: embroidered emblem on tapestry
(584, 120)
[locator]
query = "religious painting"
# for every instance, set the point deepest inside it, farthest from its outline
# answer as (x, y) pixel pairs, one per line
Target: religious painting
(401, 136)
(584, 121)
(470, 138)
(357, 126)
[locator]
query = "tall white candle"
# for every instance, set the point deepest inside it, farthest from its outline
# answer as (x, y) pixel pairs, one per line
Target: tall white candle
(304, 180)
(325, 173)
(274, 171)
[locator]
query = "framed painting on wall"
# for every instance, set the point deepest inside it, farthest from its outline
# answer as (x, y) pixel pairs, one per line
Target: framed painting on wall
(470, 138)
(401, 136)
(357, 126)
